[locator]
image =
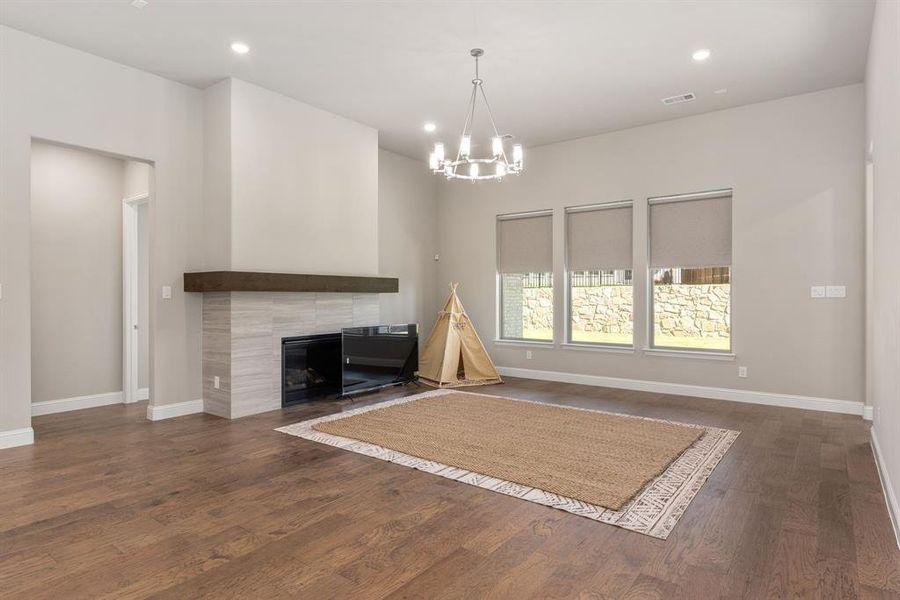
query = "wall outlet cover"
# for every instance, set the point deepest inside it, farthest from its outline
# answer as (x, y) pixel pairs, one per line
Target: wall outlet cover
(742, 371)
(166, 292)
(817, 291)
(836, 291)
(528, 354)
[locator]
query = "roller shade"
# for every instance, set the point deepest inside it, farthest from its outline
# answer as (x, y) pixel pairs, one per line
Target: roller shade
(599, 238)
(525, 244)
(691, 233)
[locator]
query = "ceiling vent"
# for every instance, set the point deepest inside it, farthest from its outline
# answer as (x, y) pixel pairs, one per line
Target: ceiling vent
(679, 98)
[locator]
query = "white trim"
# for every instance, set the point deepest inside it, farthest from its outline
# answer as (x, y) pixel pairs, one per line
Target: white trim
(571, 210)
(868, 412)
(597, 347)
(672, 353)
(870, 283)
(49, 407)
(179, 409)
(514, 342)
(143, 394)
(723, 193)
(544, 212)
(848, 407)
(16, 437)
(890, 499)
(137, 198)
(130, 301)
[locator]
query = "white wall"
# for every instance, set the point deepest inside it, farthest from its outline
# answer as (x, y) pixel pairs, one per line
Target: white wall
(304, 187)
(883, 132)
(76, 272)
(143, 231)
(217, 176)
(53, 92)
(136, 178)
(407, 240)
(796, 168)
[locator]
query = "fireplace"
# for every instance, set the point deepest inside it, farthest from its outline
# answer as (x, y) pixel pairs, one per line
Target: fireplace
(310, 367)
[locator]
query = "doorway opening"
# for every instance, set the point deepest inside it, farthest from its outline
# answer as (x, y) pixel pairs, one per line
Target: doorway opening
(90, 274)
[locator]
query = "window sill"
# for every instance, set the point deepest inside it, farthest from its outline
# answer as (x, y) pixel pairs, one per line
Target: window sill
(598, 348)
(701, 354)
(538, 343)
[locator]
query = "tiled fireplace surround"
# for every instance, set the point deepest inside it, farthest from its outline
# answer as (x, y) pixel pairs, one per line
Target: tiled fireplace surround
(242, 334)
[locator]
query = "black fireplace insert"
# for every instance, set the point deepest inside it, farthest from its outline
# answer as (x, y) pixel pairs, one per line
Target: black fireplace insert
(310, 367)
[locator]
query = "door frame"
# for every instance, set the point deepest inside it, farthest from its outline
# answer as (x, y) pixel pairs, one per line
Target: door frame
(130, 299)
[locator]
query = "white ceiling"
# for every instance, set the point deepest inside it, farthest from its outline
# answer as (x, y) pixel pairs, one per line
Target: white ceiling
(552, 70)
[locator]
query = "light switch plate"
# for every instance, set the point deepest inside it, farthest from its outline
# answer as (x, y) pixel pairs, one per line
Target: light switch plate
(742, 372)
(817, 291)
(167, 292)
(836, 291)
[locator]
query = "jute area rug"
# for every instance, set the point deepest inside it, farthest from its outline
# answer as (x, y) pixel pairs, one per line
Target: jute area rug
(633, 472)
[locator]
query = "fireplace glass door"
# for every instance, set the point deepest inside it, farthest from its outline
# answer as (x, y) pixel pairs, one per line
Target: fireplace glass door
(310, 367)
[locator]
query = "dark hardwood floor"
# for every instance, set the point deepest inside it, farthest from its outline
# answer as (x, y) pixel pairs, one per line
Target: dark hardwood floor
(110, 505)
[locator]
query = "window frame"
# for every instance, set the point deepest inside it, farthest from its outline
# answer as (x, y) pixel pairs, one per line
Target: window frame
(652, 347)
(498, 292)
(567, 299)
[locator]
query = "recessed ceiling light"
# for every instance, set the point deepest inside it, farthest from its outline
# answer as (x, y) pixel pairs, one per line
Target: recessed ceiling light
(240, 48)
(429, 127)
(701, 54)
(139, 3)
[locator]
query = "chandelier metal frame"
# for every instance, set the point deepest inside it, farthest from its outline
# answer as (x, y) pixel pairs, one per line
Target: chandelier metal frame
(466, 166)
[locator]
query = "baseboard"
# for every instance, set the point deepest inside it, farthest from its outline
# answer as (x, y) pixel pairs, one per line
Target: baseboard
(890, 498)
(143, 394)
(16, 437)
(868, 412)
(660, 387)
(49, 407)
(169, 411)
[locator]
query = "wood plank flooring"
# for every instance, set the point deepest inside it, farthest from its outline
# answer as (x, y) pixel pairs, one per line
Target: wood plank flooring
(110, 505)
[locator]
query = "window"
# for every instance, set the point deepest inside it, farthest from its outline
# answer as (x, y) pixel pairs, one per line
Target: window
(598, 271)
(690, 272)
(525, 273)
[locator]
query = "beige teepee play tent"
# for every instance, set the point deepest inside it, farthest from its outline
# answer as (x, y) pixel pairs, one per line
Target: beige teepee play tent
(453, 354)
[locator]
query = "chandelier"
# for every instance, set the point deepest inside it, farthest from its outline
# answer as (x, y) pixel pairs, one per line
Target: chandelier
(466, 166)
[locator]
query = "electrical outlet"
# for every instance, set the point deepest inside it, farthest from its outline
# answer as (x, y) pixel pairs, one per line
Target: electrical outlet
(216, 381)
(528, 354)
(817, 291)
(742, 371)
(836, 291)
(167, 292)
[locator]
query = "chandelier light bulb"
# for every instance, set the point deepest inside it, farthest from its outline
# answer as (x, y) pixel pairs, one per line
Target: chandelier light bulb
(473, 170)
(517, 154)
(497, 146)
(465, 145)
(501, 170)
(439, 152)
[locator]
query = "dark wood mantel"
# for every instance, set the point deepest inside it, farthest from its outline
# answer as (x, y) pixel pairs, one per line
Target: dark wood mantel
(246, 281)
